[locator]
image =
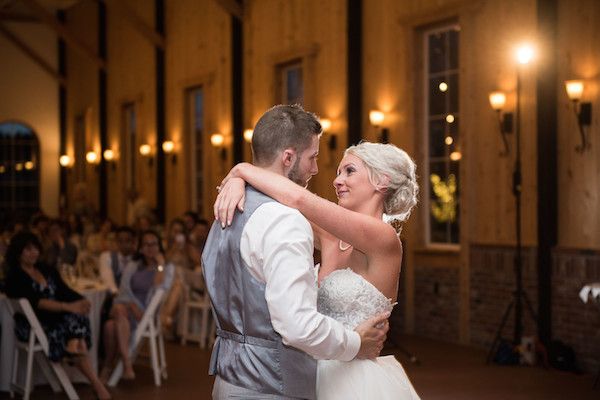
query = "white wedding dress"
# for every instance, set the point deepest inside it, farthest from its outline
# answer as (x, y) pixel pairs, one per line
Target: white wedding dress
(350, 299)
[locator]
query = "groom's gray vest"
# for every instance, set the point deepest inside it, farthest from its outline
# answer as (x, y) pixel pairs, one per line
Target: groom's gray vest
(248, 352)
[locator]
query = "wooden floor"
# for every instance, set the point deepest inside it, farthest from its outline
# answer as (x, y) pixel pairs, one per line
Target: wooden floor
(446, 371)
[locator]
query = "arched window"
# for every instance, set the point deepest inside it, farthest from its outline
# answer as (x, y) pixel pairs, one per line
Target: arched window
(19, 172)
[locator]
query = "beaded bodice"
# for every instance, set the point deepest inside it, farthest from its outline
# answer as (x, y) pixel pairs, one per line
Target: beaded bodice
(350, 299)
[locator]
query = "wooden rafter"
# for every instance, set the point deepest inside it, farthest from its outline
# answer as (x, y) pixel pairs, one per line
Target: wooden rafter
(122, 9)
(61, 31)
(233, 7)
(39, 60)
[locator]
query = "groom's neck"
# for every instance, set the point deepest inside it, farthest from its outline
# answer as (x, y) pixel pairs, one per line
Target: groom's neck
(276, 167)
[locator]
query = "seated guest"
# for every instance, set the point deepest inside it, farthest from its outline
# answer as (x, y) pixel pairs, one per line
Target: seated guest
(199, 234)
(75, 225)
(139, 282)
(60, 250)
(102, 239)
(176, 254)
(39, 226)
(61, 311)
(190, 219)
(112, 263)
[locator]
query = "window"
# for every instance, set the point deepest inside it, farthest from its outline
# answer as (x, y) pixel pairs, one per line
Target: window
(441, 124)
(129, 131)
(290, 83)
(19, 172)
(195, 131)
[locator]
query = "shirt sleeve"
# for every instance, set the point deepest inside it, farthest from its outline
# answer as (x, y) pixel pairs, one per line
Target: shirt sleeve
(277, 245)
(106, 273)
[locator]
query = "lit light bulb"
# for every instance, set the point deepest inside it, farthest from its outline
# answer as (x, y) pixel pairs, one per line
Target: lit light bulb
(109, 155)
(168, 146)
(248, 135)
(376, 117)
(217, 139)
(449, 118)
(497, 100)
(449, 140)
(64, 160)
(574, 89)
(443, 86)
(326, 124)
(525, 54)
(145, 149)
(455, 155)
(91, 157)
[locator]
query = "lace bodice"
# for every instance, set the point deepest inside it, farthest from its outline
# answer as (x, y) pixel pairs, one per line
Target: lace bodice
(350, 299)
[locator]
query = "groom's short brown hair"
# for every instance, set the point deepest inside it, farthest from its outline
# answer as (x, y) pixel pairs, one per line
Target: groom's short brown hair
(282, 127)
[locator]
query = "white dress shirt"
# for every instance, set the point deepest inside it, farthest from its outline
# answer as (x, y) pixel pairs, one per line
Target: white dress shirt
(105, 269)
(277, 246)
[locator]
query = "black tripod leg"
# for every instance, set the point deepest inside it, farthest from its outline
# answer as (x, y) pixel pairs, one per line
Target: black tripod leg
(530, 307)
(499, 332)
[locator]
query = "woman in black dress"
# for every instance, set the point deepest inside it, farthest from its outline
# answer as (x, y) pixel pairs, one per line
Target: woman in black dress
(62, 312)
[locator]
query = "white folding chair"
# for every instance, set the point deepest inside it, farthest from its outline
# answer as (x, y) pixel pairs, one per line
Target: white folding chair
(197, 300)
(37, 348)
(149, 328)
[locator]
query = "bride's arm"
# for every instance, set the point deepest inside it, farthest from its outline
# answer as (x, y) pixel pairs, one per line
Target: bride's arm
(367, 234)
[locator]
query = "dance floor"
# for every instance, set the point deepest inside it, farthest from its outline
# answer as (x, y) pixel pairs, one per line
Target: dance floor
(446, 371)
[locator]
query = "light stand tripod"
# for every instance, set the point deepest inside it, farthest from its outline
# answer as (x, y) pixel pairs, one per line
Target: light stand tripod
(519, 294)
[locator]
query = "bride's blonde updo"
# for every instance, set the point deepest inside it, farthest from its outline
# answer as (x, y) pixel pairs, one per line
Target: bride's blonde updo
(392, 171)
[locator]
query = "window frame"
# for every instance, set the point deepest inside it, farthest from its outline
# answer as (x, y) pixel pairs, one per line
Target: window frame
(425, 124)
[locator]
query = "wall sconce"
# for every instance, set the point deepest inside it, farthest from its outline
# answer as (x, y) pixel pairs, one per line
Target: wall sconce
(248, 135)
(218, 141)
(583, 111)
(376, 118)
(332, 137)
(146, 151)
(109, 157)
(169, 149)
(65, 161)
(505, 120)
(92, 157)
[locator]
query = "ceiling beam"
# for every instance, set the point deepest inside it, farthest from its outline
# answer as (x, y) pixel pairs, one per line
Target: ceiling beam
(138, 23)
(233, 7)
(39, 60)
(61, 31)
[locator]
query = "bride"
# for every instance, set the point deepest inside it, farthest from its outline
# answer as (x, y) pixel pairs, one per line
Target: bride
(360, 253)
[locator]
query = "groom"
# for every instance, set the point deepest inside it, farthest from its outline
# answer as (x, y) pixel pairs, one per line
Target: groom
(263, 286)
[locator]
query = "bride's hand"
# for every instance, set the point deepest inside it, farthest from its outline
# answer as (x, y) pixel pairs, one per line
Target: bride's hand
(235, 172)
(232, 195)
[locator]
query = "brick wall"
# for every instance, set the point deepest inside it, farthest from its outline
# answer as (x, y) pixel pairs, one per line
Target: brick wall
(437, 302)
(574, 322)
(492, 279)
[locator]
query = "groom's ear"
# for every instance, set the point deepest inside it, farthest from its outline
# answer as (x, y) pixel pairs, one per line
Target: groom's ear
(288, 157)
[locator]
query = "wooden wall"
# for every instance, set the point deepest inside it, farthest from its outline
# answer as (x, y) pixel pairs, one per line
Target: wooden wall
(82, 102)
(198, 52)
(29, 96)
(578, 183)
(277, 31)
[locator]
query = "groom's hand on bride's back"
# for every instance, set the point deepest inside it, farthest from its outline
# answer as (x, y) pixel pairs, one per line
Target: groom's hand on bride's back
(373, 333)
